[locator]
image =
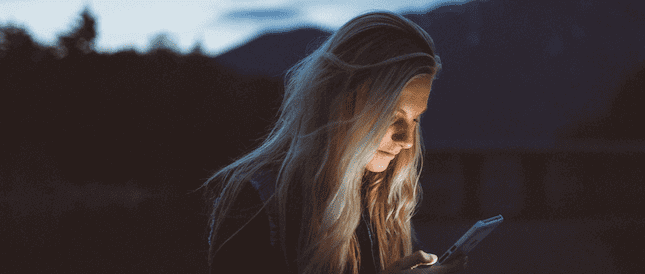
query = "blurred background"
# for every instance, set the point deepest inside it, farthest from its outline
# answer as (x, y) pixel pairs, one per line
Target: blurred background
(113, 112)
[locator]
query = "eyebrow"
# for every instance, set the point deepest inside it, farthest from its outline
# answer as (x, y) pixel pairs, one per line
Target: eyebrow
(402, 110)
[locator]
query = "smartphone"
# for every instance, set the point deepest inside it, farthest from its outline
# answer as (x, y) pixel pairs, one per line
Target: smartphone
(469, 240)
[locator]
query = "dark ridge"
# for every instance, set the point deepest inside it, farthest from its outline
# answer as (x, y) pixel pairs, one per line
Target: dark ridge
(272, 54)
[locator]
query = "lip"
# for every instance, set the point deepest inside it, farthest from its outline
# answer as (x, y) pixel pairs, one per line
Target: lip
(387, 153)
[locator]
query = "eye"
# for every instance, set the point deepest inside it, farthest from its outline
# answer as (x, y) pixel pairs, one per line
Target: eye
(400, 120)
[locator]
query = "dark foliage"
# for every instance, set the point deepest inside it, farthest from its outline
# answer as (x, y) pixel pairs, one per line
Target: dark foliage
(78, 121)
(81, 40)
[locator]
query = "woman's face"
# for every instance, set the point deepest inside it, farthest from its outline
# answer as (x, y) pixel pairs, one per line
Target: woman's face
(400, 135)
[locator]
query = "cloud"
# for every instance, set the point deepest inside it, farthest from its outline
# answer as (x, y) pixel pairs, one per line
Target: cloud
(261, 14)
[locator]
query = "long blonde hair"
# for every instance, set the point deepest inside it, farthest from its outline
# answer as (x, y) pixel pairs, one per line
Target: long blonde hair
(338, 104)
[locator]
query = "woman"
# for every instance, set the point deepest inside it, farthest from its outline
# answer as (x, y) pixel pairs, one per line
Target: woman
(333, 186)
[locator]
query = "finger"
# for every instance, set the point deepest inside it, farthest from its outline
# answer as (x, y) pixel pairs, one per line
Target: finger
(433, 260)
(416, 258)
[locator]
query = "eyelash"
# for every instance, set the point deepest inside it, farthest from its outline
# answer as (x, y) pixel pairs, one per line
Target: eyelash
(415, 120)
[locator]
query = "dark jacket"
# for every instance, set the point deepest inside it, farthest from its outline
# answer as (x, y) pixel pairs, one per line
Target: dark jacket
(256, 248)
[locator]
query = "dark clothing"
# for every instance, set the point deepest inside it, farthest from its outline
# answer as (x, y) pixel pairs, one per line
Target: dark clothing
(251, 249)
(256, 248)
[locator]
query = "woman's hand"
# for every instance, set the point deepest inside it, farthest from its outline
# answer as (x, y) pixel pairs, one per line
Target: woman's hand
(457, 264)
(404, 265)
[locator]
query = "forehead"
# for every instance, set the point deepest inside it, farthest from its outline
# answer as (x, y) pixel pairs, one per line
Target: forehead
(414, 96)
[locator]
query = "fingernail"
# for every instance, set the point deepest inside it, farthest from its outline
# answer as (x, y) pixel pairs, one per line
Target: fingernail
(433, 258)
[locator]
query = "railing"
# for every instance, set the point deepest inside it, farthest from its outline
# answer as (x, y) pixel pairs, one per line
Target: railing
(532, 179)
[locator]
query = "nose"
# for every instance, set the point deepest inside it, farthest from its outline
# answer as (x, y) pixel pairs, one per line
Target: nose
(404, 136)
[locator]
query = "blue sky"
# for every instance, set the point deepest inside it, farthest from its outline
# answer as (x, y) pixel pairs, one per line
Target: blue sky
(220, 25)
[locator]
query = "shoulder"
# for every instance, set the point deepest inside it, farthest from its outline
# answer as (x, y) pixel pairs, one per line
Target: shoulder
(254, 192)
(246, 208)
(247, 236)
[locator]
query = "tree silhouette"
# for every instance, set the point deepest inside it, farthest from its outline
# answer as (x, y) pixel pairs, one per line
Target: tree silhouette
(163, 41)
(15, 42)
(197, 49)
(81, 40)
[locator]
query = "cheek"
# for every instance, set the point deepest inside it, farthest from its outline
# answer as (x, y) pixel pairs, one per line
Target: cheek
(387, 138)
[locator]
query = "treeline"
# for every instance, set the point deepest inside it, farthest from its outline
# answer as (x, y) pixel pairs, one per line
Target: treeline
(162, 115)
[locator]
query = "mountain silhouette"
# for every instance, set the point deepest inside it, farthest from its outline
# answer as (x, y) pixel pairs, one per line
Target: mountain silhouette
(512, 70)
(527, 69)
(623, 120)
(271, 54)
